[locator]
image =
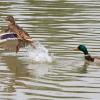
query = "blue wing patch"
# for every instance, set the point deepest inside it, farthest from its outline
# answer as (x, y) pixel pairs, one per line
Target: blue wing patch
(8, 36)
(8, 41)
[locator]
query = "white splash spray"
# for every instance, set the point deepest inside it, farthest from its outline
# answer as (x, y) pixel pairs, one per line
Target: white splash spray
(39, 54)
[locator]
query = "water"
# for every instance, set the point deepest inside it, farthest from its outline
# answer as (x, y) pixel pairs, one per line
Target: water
(59, 25)
(39, 54)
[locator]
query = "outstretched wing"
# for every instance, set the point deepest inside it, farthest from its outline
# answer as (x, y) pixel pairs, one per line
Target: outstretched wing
(8, 41)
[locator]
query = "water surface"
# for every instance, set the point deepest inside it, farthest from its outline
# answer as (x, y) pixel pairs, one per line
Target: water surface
(60, 25)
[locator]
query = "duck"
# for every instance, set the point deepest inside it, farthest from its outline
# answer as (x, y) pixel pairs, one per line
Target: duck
(87, 55)
(22, 36)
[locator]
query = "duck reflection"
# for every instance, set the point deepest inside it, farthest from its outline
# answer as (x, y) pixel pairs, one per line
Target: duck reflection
(20, 73)
(39, 70)
(21, 69)
(83, 68)
(15, 70)
(16, 66)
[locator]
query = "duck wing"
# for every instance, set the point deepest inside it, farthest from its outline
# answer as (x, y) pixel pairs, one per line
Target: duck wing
(22, 34)
(7, 36)
(8, 41)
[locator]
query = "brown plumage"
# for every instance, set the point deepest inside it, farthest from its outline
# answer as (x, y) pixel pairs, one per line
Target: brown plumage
(23, 36)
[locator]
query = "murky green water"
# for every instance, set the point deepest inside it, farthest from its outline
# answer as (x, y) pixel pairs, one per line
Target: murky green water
(60, 25)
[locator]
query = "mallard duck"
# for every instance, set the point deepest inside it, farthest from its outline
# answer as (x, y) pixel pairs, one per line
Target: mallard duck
(22, 36)
(87, 56)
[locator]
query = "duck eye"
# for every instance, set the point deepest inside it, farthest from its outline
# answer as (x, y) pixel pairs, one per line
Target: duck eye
(7, 17)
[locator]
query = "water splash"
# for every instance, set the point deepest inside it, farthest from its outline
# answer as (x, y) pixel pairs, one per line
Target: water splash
(38, 54)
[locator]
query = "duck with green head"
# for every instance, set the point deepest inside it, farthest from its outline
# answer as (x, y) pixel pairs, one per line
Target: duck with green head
(88, 57)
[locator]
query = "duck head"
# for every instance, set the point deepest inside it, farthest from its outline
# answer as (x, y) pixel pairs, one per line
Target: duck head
(10, 19)
(85, 51)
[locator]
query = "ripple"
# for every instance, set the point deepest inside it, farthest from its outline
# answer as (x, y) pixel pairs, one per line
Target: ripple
(60, 26)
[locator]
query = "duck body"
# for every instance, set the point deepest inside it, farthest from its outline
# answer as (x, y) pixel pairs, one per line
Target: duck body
(87, 56)
(22, 36)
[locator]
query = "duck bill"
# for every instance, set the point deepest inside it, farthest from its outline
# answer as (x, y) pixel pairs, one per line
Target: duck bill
(76, 49)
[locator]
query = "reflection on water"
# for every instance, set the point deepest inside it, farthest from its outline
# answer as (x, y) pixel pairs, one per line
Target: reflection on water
(60, 25)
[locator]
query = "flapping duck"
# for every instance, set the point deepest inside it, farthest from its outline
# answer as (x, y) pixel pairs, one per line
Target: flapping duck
(22, 36)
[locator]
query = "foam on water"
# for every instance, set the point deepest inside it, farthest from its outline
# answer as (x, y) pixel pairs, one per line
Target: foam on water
(38, 54)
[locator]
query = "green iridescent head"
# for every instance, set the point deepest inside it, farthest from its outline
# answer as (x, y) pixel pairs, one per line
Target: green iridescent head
(83, 49)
